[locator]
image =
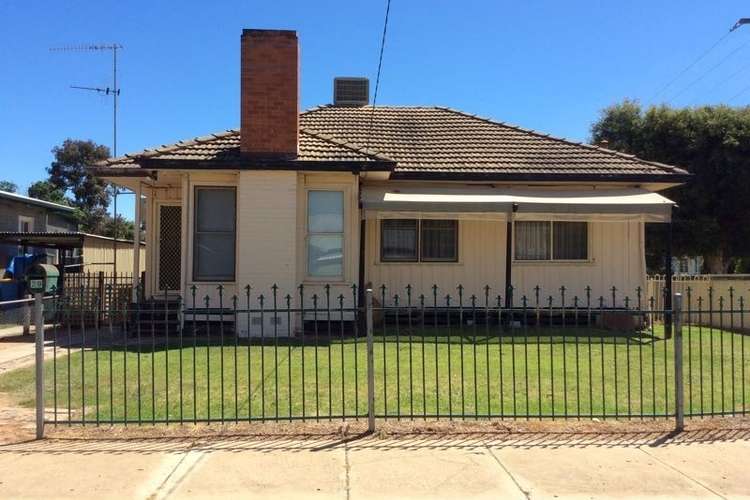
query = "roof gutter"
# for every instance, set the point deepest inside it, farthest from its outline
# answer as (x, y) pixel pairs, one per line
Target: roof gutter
(528, 177)
(103, 171)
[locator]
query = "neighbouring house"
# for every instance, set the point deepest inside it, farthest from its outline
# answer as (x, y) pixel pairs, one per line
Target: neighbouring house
(350, 194)
(687, 265)
(24, 214)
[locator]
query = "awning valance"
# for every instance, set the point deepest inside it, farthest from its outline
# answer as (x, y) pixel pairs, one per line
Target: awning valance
(489, 202)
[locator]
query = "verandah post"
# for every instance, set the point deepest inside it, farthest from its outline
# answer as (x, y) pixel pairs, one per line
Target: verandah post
(370, 363)
(679, 385)
(509, 258)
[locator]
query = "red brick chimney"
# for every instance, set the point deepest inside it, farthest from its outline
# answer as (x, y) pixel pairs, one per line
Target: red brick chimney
(269, 96)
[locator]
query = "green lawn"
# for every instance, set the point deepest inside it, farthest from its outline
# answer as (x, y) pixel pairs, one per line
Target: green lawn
(525, 374)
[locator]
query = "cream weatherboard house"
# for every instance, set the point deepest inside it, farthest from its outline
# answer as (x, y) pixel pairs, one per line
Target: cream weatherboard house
(347, 194)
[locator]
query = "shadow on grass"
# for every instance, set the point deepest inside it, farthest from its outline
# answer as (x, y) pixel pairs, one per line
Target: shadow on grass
(155, 341)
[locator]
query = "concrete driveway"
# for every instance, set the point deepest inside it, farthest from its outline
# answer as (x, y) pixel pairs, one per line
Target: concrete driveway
(712, 464)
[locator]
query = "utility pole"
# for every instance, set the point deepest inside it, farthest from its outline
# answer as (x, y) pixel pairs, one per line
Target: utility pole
(742, 21)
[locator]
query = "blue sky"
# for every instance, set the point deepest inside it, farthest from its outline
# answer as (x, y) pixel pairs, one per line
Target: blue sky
(547, 65)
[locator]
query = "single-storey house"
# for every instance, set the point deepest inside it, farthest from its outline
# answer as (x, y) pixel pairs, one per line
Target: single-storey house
(350, 194)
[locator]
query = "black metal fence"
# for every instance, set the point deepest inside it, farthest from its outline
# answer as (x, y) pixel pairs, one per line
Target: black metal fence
(310, 355)
(95, 295)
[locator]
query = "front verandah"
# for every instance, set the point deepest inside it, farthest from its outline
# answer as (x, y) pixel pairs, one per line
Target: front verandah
(506, 241)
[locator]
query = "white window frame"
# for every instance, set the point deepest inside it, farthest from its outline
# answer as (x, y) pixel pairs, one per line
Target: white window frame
(343, 233)
(552, 258)
(22, 219)
(193, 232)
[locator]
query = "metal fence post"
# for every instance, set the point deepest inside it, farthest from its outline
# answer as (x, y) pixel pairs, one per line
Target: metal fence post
(39, 355)
(679, 386)
(370, 363)
(26, 311)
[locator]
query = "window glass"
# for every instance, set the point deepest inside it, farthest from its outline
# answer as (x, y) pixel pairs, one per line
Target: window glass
(325, 234)
(532, 240)
(570, 240)
(214, 234)
(325, 255)
(325, 212)
(398, 240)
(215, 209)
(439, 240)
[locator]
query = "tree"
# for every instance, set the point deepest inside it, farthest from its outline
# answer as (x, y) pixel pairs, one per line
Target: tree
(125, 228)
(8, 186)
(45, 190)
(713, 144)
(68, 174)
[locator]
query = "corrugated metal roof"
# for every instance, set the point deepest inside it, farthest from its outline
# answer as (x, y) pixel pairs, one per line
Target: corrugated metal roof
(33, 201)
(53, 239)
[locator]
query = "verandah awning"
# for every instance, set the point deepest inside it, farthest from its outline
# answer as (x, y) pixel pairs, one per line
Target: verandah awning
(495, 203)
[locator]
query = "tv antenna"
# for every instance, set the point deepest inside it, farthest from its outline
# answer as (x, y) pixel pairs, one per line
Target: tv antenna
(114, 91)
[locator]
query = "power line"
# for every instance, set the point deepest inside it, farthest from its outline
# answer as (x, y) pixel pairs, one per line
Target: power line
(690, 66)
(735, 96)
(725, 80)
(380, 66)
(709, 70)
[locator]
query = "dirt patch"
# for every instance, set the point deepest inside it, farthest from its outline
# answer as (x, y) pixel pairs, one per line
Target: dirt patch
(16, 423)
(497, 432)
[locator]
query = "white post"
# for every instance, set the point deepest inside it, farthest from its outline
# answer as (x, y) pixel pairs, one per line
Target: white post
(137, 243)
(370, 363)
(679, 384)
(39, 355)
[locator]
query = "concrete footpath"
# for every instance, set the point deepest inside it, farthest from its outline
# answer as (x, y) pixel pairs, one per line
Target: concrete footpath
(711, 464)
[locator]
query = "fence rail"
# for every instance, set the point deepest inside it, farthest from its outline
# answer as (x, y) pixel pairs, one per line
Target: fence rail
(317, 355)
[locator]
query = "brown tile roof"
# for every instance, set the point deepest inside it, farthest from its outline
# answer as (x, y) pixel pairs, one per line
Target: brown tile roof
(224, 147)
(422, 142)
(434, 140)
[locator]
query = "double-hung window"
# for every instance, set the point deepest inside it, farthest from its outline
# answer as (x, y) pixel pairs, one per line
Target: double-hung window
(413, 240)
(325, 234)
(546, 240)
(214, 234)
